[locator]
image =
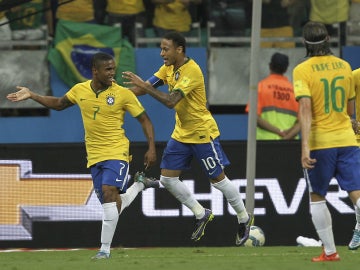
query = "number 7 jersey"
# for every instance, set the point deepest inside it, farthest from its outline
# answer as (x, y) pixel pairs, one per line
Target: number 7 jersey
(328, 81)
(103, 117)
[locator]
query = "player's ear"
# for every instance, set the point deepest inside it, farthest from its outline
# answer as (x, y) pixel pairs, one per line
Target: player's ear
(179, 49)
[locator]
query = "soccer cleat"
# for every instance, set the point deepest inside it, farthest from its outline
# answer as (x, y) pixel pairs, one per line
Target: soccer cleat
(326, 258)
(101, 255)
(355, 241)
(201, 224)
(243, 232)
(148, 182)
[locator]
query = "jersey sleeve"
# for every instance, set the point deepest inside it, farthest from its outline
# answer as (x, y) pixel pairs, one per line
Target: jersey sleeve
(133, 105)
(301, 87)
(71, 95)
(161, 74)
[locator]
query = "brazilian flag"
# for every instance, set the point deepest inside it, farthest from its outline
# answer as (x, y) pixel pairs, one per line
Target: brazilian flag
(75, 43)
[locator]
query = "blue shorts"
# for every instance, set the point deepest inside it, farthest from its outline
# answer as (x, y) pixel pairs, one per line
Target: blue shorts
(342, 163)
(111, 173)
(178, 156)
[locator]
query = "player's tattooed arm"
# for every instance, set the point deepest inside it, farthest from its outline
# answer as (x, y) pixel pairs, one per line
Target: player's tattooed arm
(65, 103)
(168, 99)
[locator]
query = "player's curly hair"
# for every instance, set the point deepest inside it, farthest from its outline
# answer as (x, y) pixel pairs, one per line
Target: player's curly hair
(316, 39)
(177, 38)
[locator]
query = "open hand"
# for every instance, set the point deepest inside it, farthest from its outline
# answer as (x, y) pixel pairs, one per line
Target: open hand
(23, 94)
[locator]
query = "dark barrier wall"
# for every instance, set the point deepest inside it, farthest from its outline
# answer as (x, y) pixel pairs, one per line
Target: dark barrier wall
(156, 219)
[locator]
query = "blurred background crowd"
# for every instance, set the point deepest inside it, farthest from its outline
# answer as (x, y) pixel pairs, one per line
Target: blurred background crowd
(37, 19)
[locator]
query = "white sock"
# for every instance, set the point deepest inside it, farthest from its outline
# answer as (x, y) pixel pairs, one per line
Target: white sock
(233, 197)
(322, 221)
(357, 214)
(110, 219)
(131, 193)
(180, 191)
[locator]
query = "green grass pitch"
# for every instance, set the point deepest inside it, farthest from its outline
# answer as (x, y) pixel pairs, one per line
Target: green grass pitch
(196, 258)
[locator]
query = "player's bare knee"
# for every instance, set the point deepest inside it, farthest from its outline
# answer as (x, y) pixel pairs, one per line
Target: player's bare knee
(110, 193)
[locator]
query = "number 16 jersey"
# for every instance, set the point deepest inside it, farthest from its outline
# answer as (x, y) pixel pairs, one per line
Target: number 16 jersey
(328, 81)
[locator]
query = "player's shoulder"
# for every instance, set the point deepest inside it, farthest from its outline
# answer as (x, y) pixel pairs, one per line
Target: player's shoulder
(81, 85)
(117, 87)
(192, 67)
(192, 63)
(356, 72)
(122, 91)
(302, 63)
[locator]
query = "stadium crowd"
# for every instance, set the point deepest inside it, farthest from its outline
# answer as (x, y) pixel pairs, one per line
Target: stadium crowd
(27, 19)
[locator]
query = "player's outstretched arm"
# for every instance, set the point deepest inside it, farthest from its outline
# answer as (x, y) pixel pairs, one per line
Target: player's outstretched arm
(55, 103)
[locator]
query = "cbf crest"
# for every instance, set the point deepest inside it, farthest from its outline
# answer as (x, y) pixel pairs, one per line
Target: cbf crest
(110, 99)
(177, 75)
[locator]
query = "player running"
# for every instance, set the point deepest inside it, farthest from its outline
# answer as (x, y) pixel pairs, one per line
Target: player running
(196, 134)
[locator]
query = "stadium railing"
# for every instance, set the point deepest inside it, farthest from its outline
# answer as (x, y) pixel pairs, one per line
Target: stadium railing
(38, 44)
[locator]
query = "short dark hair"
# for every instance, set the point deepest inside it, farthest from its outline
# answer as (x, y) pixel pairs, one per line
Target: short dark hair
(316, 39)
(279, 63)
(100, 57)
(177, 38)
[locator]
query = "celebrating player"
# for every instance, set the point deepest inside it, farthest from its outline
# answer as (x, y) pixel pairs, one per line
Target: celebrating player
(103, 105)
(196, 133)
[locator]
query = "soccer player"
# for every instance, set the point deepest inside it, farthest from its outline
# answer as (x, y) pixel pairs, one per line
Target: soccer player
(324, 87)
(196, 134)
(103, 104)
(355, 241)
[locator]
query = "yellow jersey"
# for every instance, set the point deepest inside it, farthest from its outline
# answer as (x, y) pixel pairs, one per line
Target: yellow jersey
(172, 16)
(194, 122)
(335, 11)
(328, 81)
(103, 117)
(125, 7)
(76, 11)
(356, 75)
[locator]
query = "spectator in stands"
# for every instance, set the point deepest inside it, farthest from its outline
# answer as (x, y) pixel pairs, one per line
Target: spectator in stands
(298, 13)
(5, 31)
(229, 17)
(277, 108)
(100, 11)
(172, 15)
(354, 19)
(330, 12)
(127, 13)
(275, 22)
(76, 10)
(29, 21)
